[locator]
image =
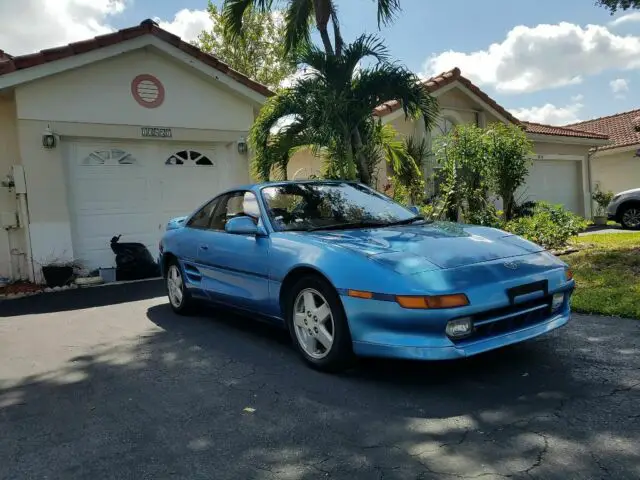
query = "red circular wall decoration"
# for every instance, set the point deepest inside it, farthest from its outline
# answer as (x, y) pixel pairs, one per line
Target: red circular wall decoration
(147, 90)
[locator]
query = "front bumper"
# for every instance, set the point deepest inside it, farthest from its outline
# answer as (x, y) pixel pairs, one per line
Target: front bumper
(384, 329)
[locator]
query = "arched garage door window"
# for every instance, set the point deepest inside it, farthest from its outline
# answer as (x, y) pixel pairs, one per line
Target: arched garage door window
(189, 157)
(109, 156)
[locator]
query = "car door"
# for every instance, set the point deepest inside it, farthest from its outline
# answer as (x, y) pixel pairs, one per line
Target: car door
(188, 245)
(235, 267)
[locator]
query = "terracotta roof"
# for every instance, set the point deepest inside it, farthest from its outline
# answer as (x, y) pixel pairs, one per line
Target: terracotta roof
(10, 64)
(620, 127)
(445, 78)
(542, 129)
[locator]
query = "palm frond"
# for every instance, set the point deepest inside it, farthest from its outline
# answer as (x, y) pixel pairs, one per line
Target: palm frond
(233, 12)
(298, 24)
(387, 82)
(364, 46)
(387, 10)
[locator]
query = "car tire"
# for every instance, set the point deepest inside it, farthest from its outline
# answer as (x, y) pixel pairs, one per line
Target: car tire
(339, 356)
(630, 217)
(180, 299)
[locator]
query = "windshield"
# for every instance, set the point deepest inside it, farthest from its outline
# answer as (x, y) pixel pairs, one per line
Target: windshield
(317, 205)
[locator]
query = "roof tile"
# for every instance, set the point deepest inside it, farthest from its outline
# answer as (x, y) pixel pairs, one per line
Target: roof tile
(9, 64)
(445, 78)
(542, 129)
(621, 128)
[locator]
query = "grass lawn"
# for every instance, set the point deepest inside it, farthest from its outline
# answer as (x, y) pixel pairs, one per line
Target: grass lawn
(607, 274)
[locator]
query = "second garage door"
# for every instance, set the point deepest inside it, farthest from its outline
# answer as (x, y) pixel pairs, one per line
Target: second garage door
(554, 181)
(134, 188)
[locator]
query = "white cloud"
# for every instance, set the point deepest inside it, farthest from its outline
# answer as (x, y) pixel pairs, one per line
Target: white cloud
(28, 26)
(187, 24)
(549, 114)
(619, 87)
(577, 98)
(628, 18)
(541, 57)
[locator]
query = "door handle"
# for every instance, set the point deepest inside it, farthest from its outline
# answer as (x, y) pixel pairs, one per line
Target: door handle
(204, 247)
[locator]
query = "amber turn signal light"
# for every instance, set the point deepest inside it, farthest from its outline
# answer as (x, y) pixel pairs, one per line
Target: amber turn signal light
(360, 294)
(436, 301)
(568, 274)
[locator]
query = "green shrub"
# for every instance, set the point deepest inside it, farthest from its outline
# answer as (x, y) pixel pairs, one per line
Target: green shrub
(550, 225)
(489, 216)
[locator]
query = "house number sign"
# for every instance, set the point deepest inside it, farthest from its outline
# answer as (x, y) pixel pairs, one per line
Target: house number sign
(156, 132)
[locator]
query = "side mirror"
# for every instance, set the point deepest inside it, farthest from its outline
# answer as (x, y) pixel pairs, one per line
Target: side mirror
(241, 226)
(414, 209)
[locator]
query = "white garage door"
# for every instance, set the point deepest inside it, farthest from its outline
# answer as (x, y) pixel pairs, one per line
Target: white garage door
(552, 181)
(134, 188)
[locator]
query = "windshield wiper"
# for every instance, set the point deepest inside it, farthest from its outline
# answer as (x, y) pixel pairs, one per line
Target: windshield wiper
(407, 221)
(345, 226)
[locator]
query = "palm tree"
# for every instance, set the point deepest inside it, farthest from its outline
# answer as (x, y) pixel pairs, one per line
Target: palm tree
(330, 109)
(299, 14)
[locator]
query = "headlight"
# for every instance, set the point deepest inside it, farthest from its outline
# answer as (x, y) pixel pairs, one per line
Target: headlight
(459, 327)
(557, 301)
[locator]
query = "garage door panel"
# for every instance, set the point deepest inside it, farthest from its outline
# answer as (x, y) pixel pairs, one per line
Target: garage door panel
(556, 182)
(112, 195)
(134, 188)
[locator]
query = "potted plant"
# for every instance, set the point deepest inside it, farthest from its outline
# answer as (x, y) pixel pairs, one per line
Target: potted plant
(602, 199)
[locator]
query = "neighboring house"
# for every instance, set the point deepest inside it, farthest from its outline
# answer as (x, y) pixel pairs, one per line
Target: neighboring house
(616, 166)
(560, 171)
(146, 127)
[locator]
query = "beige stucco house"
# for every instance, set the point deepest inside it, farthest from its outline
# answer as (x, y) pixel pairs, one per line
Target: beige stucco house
(145, 126)
(616, 166)
(560, 171)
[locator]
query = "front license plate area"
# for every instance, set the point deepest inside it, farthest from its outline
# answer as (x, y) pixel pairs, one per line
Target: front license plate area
(527, 289)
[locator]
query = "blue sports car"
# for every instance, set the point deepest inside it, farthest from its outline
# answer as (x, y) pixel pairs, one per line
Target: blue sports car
(349, 272)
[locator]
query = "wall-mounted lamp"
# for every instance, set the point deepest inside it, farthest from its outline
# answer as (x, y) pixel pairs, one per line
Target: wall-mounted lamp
(242, 145)
(48, 138)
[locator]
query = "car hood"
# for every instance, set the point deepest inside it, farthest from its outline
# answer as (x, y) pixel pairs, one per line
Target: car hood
(441, 244)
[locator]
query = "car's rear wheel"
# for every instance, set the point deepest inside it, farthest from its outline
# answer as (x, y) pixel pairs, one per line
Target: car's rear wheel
(318, 325)
(179, 297)
(630, 217)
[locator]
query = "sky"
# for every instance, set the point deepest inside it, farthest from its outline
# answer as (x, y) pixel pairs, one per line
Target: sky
(548, 61)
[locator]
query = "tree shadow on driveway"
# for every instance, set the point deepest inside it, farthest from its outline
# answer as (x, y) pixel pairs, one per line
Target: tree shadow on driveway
(220, 396)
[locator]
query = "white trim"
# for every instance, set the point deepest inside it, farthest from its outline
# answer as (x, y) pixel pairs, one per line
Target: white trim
(445, 89)
(547, 157)
(537, 137)
(614, 151)
(76, 61)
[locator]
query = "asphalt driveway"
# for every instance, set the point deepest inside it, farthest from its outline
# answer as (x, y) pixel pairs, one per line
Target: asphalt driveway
(108, 383)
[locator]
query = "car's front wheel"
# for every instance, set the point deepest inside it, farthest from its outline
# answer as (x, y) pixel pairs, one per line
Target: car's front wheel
(318, 325)
(630, 217)
(179, 297)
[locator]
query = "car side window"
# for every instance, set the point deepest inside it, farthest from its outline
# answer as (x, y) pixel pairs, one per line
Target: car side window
(202, 218)
(236, 204)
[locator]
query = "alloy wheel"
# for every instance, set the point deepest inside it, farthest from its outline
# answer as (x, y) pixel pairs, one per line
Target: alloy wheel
(175, 286)
(313, 323)
(631, 217)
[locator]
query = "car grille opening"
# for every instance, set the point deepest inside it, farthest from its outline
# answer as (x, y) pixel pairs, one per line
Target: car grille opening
(508, 319)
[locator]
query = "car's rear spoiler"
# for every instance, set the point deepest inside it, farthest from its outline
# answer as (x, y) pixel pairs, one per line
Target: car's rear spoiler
(177, 222)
